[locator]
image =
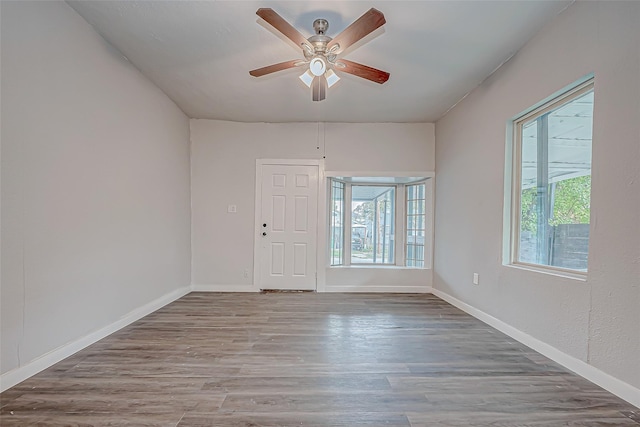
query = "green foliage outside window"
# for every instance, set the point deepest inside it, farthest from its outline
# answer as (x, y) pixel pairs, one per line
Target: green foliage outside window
(571, 204)
(363, 213)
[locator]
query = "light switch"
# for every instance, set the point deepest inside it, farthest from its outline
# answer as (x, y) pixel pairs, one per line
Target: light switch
(232, 209)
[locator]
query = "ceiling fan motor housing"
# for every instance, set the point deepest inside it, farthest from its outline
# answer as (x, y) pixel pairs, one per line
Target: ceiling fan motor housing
(319, 43)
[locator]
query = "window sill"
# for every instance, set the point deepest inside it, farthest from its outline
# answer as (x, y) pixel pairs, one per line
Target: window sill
(558, 272)
(376, 266)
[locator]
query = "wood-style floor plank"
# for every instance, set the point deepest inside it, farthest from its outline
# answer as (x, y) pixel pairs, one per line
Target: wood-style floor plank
(304, 359)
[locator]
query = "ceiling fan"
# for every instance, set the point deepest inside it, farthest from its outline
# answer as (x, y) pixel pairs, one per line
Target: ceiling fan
(321, 51)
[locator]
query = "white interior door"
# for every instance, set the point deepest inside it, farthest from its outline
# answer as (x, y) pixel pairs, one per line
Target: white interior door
(288, 227)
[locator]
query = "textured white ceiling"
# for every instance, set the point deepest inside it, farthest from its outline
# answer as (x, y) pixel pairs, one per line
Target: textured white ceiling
(200, 53)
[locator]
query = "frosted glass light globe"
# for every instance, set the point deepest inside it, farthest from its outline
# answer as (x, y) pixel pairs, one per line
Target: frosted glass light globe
(317, 67)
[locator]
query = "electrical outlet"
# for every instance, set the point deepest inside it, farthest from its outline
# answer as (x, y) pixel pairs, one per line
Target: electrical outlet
(476, 279)
(245, 274)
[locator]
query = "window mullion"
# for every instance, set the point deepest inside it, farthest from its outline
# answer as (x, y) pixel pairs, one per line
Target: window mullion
(401, 224)
(346, 244)
(542, 230)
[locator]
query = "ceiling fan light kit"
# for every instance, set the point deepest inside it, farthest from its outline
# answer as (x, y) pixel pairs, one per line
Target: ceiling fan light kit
(321, 52)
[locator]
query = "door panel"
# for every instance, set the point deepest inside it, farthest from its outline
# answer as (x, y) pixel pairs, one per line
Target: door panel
(278, 213)
(287, 252)
(277, 259)
(299, 259)
(301, 214)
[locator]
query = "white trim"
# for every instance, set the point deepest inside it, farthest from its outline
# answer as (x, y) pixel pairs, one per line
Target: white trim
(400, 225)
(222, 287)
(614, 385)
(322, 227)
(363, 266)
(380, 289)
(555, 101)
(21, 373)
(256, 222)
(422, 174)
(329, 187)
(347, 225)
(429, 234)
(509, 197)
(553, 271)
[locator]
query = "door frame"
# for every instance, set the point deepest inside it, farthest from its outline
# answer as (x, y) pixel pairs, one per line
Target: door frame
(321, 229)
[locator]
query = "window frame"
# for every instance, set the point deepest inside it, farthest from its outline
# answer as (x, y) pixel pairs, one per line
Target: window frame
(425, 228)
(332, 189)
(513, 178)
(400, 180)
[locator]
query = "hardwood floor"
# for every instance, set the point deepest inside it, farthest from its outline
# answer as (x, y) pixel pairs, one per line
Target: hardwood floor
(306, 359)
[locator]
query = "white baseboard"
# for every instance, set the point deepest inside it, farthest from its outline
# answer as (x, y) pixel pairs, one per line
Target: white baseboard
(380, 289)
(621, 389)
(218, 287)
(21, 373)
(198, 287)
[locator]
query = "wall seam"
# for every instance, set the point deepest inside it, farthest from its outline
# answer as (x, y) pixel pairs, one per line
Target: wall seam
(593, 225)
(191, 263)
(22, 256)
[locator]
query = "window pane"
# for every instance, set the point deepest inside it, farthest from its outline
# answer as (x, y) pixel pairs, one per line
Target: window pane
(415, 206)
(411, 193)
(411, 222)
(372, 224)
(416, 221)
(336, 231)
(555, 185)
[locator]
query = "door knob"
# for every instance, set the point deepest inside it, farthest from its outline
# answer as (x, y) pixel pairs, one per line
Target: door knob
(264, 233)
(264, 225)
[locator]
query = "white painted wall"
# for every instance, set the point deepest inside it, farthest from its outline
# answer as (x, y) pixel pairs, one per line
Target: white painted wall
(594, 321)
(223, 173)
(95, 184)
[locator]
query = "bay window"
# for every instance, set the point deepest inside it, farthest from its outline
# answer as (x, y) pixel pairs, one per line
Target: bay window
(381, 221)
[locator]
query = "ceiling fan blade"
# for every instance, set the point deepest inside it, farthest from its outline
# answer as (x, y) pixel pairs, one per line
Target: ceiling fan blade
(363, 71)
(319, 88)
(361, 27)
(281, 25)
(275, 67)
